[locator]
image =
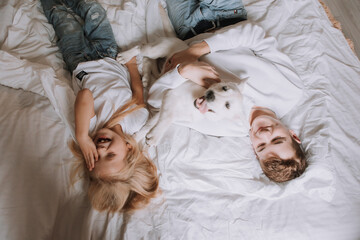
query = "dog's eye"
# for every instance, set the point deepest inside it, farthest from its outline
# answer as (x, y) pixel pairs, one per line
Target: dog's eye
(227, 105)
(225, 88)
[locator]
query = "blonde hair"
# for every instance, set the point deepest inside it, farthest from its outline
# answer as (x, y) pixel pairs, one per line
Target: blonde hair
(129, 189)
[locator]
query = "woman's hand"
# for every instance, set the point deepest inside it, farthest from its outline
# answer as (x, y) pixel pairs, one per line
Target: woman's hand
(200, 73)
(89, 151)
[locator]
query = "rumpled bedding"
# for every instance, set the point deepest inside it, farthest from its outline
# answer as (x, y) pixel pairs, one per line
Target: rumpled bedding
(212, 187)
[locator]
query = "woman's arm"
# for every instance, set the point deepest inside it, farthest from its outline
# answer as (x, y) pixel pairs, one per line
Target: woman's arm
(135, 81)
(84, 111)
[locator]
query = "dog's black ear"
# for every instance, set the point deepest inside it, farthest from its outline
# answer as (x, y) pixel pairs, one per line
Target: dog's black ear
(227, 105)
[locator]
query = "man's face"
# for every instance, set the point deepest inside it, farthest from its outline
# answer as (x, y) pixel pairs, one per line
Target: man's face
(270, 138)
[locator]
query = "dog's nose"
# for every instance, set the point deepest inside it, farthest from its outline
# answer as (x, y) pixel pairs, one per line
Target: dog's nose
(210, 96)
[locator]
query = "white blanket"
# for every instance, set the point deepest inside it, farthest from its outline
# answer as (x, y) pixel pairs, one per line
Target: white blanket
(212, 188)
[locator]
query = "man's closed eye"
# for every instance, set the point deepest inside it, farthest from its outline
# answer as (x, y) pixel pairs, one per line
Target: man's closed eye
(260, 147)
(278, 140)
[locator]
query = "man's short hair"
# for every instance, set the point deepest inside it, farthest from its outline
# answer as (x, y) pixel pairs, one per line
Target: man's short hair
(282, 170)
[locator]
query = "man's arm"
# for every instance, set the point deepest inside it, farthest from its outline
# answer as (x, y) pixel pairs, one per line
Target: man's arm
(245, 35)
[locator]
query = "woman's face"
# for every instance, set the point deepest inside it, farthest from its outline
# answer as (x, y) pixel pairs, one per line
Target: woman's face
(112, 149)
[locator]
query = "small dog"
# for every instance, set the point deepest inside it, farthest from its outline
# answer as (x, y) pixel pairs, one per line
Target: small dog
(189, 102)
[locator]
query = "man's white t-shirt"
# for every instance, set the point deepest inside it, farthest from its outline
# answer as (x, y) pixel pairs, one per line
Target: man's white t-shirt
(109, 83)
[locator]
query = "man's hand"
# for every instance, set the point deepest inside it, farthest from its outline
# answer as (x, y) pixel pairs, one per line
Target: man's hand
(192, 54)
(89, 151)
(184, 56)
(200, 73)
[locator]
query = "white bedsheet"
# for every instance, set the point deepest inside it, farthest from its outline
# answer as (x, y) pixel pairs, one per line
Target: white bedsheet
(212, 188)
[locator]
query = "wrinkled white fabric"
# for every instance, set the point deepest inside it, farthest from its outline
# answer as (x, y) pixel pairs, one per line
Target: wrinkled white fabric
(212, 187)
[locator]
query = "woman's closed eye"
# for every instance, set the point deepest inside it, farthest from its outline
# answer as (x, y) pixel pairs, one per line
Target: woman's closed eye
(110, 156)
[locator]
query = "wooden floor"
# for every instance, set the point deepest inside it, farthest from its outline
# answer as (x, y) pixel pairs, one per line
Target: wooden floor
(347, 12)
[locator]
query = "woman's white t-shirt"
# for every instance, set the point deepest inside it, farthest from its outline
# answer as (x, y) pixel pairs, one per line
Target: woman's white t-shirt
(109, 83)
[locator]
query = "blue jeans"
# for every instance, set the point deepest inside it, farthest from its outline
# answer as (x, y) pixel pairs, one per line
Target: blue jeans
(186, 14)
(83, 30)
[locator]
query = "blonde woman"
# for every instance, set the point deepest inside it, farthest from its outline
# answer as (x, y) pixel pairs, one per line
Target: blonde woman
(108, 108)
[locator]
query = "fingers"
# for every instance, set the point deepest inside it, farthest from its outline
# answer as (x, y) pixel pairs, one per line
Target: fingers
(89, 152)
(90, 157)
(180, 57)
(208, 82)
(210, 77)
(90, 161)
(96, 156)
(214, 75)
(199, 72)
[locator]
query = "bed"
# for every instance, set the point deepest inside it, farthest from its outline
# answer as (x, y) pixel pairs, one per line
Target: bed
(212, 187)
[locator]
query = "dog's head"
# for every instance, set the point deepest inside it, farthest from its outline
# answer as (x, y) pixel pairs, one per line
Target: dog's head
(221, 101)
